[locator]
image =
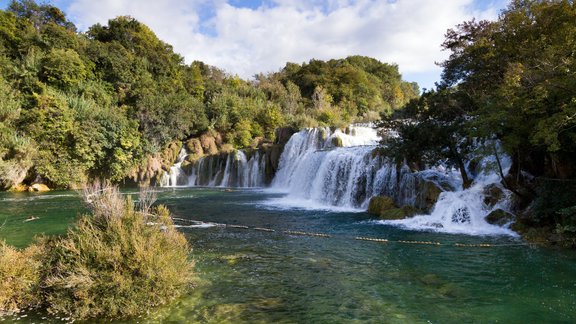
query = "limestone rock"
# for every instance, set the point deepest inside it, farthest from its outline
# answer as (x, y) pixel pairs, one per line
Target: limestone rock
(208, 143)
(38, 187)
(283, 134)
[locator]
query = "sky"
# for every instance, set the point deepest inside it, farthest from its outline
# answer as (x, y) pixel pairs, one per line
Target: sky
(246, 37)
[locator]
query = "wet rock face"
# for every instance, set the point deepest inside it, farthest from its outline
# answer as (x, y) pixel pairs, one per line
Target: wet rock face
(492, 195)
(283, 135)
(499, 217)
(428, 195)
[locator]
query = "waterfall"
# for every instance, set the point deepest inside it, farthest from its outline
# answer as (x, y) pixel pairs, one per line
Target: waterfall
(312, 172)
(321, 168)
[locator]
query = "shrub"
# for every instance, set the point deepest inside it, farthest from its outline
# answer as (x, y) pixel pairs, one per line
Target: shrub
(19, 277)
(118, 262)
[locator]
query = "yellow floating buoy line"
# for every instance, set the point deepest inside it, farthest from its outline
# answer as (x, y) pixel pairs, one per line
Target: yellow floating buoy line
(473, 245)
(358, 238)
(419, 242)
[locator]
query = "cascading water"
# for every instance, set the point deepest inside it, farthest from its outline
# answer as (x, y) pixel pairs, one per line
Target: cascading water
(176, 176)
(464, 211)
(223, 170)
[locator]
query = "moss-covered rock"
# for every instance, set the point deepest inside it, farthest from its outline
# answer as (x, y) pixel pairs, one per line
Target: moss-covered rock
(170, 153)
(378, 204)
(428, 195)
(337, 141)
(385, 208)
(193, 146)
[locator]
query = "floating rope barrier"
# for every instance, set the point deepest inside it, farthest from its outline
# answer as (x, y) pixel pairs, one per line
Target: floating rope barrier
(371, 239)
(306, 234)
(238, 226)
(358, 238)
(264, 229)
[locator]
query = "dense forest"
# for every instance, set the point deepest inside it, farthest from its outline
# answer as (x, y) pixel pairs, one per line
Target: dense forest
(107, 102)
(509, 82)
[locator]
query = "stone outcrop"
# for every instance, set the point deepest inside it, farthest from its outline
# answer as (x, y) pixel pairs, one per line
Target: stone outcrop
(499, 217)
(208, 143)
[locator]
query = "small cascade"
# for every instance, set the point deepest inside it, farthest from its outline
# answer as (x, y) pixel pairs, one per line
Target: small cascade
(228, 170)
(464, 211)
(176, 176)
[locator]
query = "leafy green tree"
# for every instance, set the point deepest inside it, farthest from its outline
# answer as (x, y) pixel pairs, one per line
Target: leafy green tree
(432, 128)
(63, 68)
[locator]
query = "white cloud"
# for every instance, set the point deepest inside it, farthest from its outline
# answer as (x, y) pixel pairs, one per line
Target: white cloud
(248, 41)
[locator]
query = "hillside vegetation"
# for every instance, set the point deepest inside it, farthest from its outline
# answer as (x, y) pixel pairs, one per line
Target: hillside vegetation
(107, 102)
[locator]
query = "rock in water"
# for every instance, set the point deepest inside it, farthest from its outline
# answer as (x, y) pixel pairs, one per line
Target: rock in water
(385, 208)
(38, 187)
(499, 217)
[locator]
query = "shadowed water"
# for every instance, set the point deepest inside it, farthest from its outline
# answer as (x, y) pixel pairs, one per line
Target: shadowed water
(248, 276)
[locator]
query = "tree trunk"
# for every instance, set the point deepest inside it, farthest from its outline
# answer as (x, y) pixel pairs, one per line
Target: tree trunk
(466, 181)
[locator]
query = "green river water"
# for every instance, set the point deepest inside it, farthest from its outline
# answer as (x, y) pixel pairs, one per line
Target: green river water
(248, 276)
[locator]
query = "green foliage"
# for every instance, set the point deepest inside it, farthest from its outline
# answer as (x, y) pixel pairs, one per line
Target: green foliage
(357, 84)
(118, 262)
(63, 68)
(16, 150)
(20, 277)
(519, 70)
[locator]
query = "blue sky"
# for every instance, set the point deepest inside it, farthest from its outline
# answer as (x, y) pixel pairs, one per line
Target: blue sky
(246, 37)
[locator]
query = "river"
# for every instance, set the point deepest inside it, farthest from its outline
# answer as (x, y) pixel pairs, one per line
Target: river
(255, 276)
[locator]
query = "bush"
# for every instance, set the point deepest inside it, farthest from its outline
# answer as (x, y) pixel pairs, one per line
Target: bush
(118, 262)
(19, 277)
